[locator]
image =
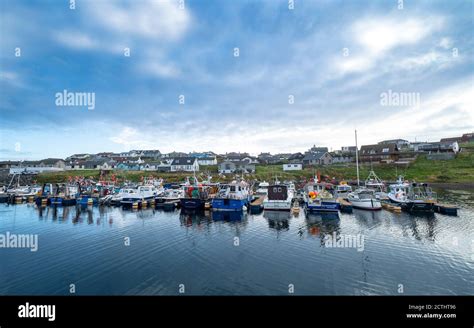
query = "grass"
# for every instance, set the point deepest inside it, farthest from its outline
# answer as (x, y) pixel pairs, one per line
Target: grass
(457, 170)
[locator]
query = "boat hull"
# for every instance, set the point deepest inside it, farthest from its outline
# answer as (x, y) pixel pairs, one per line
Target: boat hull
(324, 206)
(60, 201)
(369, 204)
(129, 201)
(225, 204)
(277, 205)
(192, 203)
(418, 207)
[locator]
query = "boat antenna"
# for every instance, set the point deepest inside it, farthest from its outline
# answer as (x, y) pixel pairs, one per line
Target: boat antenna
(357, 158)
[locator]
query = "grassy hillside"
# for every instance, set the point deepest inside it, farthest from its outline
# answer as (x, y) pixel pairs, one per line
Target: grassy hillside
(458, 170)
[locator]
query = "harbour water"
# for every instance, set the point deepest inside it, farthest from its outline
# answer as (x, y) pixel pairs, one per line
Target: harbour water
(110, 251)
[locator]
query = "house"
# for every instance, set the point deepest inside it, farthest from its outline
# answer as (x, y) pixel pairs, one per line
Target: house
(454, 139)
(401, 143)
(45, 165)
(238, 157)
(467, 137)
(94, 164)
(75, 165)
(236, 167)
(340, 157)
(52, 162)
(440, 147)
(184, 164)
(297, 157)
(322, 158)
(129, 166)
(174, 154)
(386, 153)
(9, 164)
(348, 149)
(109, 165)
(151, 166)
(105, 155)
(208, 160)
(315, 149)
(293, 167)
(152, 153)
(78, 157)
(264, 157)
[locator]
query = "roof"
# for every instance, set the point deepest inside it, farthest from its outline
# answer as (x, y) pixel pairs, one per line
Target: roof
(392, 141)
(237, 163)
(378, 149)
(51, 160)
(183, 161)
(314, 156)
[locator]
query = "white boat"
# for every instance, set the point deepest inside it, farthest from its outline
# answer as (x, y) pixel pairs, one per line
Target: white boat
(138, 195)
(262, 188)
(342, 190)
(279, 197)
(412, 196)
(373, 182)
(364, 199)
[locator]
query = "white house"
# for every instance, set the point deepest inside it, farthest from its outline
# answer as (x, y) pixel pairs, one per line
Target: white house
(208, 160)
(186, 164)
(292, 167)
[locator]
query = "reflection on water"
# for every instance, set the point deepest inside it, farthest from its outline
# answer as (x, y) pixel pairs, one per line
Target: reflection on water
(278, 220)
(427, 254)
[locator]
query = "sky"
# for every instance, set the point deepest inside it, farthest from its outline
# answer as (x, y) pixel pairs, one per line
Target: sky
(255, 76)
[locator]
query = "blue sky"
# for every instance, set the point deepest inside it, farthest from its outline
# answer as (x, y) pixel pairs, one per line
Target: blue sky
(334, 58)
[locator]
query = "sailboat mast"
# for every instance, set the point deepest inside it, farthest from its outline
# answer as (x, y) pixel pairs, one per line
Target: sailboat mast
(357, 158)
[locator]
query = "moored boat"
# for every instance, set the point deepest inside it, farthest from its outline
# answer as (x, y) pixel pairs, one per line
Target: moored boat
(412, 197)
(319, 198)
(138, 195)
(279, 197)
(364, 199)
(234, 196)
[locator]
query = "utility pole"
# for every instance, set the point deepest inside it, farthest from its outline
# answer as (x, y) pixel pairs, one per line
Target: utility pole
(357, 158)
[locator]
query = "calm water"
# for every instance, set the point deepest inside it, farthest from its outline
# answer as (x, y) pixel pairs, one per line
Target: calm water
(427, 255)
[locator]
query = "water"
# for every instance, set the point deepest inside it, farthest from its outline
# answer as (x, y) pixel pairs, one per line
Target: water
(274, 254)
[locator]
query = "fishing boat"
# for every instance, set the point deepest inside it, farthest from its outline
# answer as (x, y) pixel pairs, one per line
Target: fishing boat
(234, 196)
(279, 197)
(64, 195)
(196, 194)
(412, 197)
(364, 199)
(262, 188)
(373, 182)
(88, 196)
(169, 197)
(342, 190)
(138, 195)
(318, 197)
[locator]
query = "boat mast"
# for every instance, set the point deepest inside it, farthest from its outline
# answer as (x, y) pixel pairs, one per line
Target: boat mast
(357, 158)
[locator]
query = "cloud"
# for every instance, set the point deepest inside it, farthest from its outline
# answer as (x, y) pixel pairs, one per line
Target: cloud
(155, 19)
(375, 37)
(76, 40)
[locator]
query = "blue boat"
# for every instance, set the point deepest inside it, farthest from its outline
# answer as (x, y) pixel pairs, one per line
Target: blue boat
(234, 196)
(319, 198)
(64, 195)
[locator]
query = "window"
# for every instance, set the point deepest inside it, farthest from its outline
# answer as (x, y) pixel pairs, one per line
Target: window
(385, 150)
